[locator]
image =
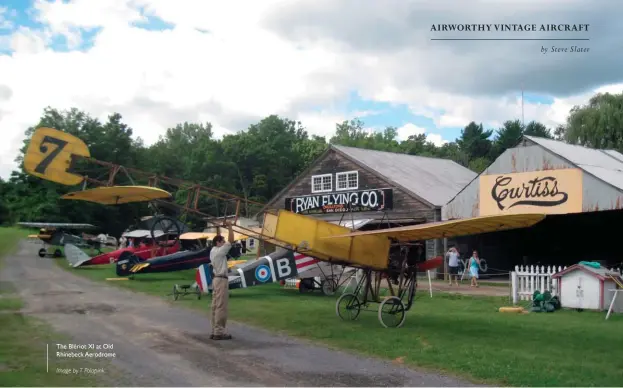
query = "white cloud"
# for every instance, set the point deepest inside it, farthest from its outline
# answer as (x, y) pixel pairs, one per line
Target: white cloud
(233, 74)
(411, 129)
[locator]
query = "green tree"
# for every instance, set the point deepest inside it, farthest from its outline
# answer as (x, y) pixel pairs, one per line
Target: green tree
(537, 129)
(598, 124)
(474, 141)
(507, 137)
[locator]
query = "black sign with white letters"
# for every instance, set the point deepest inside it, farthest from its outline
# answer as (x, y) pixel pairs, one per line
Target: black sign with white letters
(340, 202)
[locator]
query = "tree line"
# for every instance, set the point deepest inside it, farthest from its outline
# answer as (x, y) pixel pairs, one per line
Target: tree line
(258, 162)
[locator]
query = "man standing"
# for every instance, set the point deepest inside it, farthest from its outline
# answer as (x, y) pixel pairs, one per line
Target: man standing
(453, 265)
(220, 283)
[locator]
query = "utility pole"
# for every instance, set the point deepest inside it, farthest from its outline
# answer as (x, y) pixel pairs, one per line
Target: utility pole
(522, 115)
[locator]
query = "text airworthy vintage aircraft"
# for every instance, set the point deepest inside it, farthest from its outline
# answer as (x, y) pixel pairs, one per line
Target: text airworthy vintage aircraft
(382, 255)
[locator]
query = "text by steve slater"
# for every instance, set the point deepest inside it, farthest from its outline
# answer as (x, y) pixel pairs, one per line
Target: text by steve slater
(564, 49)
(510, 27)
(85, 351)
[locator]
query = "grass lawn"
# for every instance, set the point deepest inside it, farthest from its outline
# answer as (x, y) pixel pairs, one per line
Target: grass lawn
(463, 335)
(23, 339)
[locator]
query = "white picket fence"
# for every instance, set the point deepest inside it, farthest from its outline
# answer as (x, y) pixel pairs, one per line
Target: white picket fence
(527, 279)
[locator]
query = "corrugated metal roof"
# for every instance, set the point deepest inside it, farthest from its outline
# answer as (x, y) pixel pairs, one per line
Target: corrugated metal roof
(615, 154)
(606, 165)
(433, 179)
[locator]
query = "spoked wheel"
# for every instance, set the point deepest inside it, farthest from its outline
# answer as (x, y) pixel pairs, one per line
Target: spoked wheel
(392, 312)
(328, 287)
(167, 225)
(42, 252)
(348, 307)
(176, 292)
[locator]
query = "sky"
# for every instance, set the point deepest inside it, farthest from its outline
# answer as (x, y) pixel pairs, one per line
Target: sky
(162, 62)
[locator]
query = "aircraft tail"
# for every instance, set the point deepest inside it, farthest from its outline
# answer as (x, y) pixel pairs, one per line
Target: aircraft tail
(203, 277)
(75, 255)
(126, 261)
(277, 266)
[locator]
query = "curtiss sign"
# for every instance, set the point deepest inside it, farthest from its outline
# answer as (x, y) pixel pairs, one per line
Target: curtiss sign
(356, 201)
(550, 192)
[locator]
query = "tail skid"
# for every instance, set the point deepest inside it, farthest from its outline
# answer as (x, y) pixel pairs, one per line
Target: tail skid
(75, 256)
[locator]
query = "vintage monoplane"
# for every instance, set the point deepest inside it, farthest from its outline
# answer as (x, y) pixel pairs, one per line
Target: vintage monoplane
(55, 235)
(383, 256)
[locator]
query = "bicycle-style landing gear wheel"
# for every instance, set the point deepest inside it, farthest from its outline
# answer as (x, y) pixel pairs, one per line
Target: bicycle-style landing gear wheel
(348, 307)
(392, 312)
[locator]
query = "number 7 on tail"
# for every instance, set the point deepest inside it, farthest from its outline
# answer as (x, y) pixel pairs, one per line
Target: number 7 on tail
(50, 154)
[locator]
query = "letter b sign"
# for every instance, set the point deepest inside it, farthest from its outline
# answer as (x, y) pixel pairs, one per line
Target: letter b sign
(284, 268)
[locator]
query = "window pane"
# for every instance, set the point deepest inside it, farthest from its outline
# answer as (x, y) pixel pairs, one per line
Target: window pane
(352, 179)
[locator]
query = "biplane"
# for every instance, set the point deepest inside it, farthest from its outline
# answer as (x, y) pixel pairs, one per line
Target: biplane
(55, 235)
(383, 256)
(164, 255)
(145, 248)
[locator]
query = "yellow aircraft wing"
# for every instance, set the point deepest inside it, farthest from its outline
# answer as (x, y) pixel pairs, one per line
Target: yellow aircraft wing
(197, 236)
(209, 236)
(235, 262)
(452, 228)
(137, 267)
(116, 195)
(39, 236)
(50, 153)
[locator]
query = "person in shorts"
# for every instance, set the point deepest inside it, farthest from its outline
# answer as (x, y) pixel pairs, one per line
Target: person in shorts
(453, 265)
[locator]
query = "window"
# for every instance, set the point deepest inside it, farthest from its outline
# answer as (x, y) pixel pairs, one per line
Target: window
(321, 183)
(346, 180)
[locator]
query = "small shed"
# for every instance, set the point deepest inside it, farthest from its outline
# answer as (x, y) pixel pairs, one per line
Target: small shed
(582, 286)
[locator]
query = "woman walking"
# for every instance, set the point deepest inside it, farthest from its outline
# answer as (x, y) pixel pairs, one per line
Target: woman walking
(474, 266)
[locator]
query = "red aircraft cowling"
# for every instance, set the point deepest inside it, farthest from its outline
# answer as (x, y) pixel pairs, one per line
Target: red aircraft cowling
(430, 264)
(144, 252)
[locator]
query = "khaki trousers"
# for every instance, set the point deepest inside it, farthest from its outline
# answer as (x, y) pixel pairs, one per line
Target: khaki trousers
(220, 298)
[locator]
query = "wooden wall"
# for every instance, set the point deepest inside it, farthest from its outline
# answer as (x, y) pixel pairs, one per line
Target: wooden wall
(405, 206)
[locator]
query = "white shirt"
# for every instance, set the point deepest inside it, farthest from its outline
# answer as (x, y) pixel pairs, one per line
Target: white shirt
(218, 258)
(453, 259)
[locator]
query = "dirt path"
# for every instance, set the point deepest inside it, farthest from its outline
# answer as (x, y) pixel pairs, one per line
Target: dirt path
(157, 344)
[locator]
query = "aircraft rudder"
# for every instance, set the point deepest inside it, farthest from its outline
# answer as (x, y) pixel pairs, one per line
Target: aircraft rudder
(75, 256)
(125, 263)
(49, 154)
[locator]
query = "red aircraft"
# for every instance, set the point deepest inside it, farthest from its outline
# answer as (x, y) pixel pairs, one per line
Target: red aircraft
(145, 250)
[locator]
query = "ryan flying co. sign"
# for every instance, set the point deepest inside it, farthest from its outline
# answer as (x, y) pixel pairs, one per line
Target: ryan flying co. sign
(550, 192)
(356, 201)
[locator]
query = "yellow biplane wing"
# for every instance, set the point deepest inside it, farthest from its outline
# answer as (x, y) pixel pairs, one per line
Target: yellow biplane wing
(452, 228)
(116, 195)
(209, 236)
(50, 154)
(137, 267)
(197, 236)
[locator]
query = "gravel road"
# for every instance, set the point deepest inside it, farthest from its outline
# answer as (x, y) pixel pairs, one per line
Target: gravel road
(157, 344)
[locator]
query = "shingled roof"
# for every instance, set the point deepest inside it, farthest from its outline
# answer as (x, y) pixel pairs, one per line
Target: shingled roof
(432, 179)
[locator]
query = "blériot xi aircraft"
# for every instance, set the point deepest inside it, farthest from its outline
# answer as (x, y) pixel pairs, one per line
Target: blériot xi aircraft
(383, 256)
